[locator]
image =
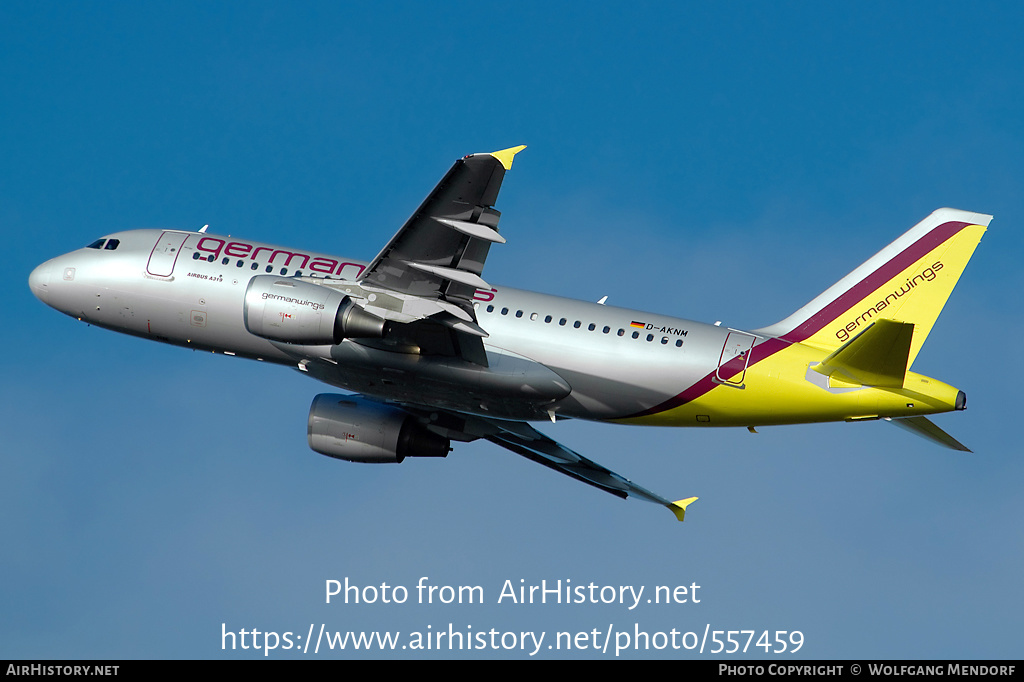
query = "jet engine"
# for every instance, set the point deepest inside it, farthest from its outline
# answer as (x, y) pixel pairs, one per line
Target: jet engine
(290, 310)
(359, 430)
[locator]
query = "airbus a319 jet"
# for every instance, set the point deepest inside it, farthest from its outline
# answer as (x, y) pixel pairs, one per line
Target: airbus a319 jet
(431, 353)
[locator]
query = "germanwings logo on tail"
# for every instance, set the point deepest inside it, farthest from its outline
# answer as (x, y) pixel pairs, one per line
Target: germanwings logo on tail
(902, 282)
(926, 275)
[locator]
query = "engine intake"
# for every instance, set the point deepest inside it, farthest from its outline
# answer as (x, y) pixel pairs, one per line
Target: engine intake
(359, 430)
(293, 311)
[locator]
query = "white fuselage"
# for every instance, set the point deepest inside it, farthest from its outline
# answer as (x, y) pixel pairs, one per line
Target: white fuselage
(546, 355)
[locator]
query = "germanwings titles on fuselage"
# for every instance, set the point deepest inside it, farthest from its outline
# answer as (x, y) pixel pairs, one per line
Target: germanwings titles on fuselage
(431, 353)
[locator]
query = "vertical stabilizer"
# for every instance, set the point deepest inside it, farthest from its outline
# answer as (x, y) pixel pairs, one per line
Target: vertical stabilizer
(908, 281)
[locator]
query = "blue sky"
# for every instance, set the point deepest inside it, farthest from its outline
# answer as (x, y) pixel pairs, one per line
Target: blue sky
(710, 161)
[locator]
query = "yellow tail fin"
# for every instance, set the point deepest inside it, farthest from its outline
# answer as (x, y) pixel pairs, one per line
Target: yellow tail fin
(908, 281)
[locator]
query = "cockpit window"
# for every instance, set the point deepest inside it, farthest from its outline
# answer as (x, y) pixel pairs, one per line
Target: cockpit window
(105, 244)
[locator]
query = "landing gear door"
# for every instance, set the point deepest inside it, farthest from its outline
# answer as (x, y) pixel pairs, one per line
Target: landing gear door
(732, 365)
(165, 253)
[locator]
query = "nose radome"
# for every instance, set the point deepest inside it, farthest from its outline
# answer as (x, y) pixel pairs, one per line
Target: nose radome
(39, 281)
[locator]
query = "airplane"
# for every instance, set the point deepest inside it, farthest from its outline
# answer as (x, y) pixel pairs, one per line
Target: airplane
(431, 353)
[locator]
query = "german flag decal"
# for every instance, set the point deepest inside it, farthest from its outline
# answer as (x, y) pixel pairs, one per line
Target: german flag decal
(637, 325)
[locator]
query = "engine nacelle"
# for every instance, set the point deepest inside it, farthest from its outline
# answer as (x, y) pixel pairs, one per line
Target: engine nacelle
(290, 310)
(360, 430)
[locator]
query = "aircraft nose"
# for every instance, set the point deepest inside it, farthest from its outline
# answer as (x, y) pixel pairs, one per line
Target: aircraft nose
(39, 281)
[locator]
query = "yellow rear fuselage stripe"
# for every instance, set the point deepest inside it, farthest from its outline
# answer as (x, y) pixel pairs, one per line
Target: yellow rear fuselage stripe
(910, 287)
(777, 391)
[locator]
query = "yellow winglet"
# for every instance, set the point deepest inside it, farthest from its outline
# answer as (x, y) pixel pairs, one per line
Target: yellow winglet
(505, 156)
(679, 507)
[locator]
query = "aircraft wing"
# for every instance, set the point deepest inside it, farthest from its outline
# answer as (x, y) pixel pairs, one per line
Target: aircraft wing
(439, 253)
(523, 439)
(429, 272)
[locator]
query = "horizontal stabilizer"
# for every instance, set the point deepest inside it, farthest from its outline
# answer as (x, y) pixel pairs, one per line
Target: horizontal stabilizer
(925, 428)
(878, 356)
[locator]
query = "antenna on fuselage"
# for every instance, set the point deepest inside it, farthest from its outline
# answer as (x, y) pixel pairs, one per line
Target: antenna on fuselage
(203, 228)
